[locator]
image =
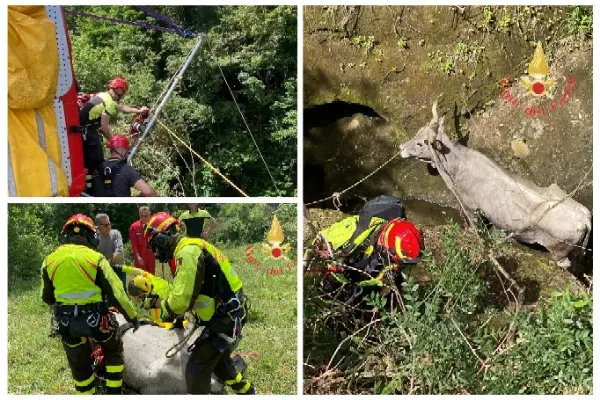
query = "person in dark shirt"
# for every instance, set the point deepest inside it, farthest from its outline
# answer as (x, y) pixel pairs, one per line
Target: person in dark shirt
(194, 222)
(116, 178)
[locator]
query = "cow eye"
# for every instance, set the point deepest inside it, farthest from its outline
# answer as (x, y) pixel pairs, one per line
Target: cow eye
(426, 141)
(419, 144)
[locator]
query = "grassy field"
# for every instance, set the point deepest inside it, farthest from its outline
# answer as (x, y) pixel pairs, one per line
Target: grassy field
(37, 363)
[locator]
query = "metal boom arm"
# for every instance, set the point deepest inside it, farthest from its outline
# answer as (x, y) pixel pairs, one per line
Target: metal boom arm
(174, 84)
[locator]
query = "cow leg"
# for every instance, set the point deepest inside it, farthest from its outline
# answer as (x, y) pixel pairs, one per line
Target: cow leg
(470, 218)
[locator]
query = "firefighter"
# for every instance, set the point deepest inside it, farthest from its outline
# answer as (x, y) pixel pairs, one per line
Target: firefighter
(79, 282)
(94, 118)
(360, 266)
(115, 177)
(206, 284)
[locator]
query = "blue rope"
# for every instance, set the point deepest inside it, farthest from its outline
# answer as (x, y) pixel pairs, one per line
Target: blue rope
(179, 31)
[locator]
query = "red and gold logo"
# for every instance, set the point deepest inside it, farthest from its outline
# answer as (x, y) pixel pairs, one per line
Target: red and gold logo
(274, 249)
(538, 82)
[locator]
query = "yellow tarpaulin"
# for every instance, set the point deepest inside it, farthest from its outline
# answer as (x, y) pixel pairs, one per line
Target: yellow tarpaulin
(33, 65)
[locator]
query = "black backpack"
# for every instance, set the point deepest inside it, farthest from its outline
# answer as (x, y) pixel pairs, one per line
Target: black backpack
(385, 207)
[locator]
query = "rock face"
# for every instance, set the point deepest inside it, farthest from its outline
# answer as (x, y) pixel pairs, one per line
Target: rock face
(371, 74)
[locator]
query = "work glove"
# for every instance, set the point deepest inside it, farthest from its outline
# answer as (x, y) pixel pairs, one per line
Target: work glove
(136, 324)
(151, 302)
(178, 324)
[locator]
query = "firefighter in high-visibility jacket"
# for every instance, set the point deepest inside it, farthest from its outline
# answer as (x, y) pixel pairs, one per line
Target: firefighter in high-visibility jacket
(78, 282)
(146, 286)
(206, 284)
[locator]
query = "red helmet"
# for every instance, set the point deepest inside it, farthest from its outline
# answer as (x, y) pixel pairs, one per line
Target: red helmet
(118, 141)
(118, 83)
(159, 223)
(404, 238)
(78, 220)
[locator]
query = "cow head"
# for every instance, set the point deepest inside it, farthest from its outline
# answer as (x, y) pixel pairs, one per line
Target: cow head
(418, 146)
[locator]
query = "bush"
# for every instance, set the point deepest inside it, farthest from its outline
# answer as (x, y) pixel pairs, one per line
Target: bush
(240, 224)
(28, 241)
(447, 339)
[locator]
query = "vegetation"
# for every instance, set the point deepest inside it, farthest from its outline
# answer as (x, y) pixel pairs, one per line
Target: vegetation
(251, 50)
(458, 333)
(33, 232)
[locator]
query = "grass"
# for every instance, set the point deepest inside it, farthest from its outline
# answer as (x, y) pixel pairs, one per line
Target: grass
(37, 364)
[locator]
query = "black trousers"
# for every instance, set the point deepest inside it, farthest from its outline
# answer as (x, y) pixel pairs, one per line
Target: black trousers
(93, 154)
(74, 332)
(212, 353)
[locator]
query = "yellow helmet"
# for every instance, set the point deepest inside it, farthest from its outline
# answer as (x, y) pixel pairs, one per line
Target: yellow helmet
(139, 285)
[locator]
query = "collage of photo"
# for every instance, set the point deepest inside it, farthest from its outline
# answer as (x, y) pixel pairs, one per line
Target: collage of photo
(299, 200)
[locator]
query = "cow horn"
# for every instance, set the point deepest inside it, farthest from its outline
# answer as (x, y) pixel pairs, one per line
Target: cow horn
(434, 110)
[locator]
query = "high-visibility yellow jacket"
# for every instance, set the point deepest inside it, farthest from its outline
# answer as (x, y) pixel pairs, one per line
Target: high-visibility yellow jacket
(204, 275)
(76, 274)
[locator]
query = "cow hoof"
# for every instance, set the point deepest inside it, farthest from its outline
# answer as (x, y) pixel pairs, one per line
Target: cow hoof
(564, 263)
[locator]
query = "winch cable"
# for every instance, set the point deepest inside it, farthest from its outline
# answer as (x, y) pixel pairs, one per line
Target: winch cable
(215, 170)
(174, 30)
(242, 115)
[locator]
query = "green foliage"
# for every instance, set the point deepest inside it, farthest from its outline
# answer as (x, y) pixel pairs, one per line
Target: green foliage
(403, 43)
(243, 223)
(34, 230)
(581, 21)
(448, 338)
(366, 42)
(252, 48)
(504, 24)
(488, 16)
(449, 67)
(28, 242)
(553, 351)
(461, 47)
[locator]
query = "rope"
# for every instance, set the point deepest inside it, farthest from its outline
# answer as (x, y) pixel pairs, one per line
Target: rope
(178, 346)
(216, 171)
(125, 22)
(336, 196)
(244, 119)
